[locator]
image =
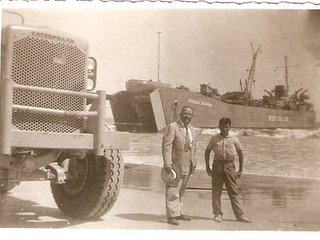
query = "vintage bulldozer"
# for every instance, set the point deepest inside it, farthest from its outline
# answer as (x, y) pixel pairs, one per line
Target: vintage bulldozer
(52, 122)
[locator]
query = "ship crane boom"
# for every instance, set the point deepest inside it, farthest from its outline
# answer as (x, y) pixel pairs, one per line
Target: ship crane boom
(250, 79)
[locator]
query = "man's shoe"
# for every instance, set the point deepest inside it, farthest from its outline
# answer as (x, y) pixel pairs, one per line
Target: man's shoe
(173, 221)
(218, 218)
(243, 218)
(184, 218)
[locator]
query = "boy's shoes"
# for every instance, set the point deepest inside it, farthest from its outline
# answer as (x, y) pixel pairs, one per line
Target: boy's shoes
(218, 218)
(173, 221)
(243, 218)
(184, 218)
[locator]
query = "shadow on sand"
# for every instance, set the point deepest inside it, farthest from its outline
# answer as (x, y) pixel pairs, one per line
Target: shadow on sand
(18, 213)
(153, 217)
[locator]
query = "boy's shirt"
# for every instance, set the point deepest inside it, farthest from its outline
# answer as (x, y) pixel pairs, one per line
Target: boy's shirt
(225, 148)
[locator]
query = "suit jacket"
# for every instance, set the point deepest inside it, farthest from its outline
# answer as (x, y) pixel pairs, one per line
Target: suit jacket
(173, 152)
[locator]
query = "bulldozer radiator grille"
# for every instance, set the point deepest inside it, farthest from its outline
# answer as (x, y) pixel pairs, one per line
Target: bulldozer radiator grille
(43, 63)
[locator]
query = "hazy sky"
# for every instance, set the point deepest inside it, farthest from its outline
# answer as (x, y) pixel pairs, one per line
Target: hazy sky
(197, 45)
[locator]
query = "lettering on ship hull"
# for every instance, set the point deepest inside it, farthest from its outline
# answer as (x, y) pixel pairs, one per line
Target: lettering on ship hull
(200, 102)
(274, 118)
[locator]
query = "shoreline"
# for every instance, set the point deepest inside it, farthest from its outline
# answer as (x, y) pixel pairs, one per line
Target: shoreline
(245, 173)
(200, 178)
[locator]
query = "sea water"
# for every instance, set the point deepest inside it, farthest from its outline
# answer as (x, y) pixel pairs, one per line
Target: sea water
(280, 152)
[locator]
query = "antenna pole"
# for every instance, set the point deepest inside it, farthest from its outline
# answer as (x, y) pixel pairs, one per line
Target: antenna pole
(158, 56)
(286, 75)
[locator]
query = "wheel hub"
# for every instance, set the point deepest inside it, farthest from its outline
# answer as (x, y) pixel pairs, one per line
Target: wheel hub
(77, 173)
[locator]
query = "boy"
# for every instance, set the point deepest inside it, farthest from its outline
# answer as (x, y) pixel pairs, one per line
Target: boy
(226, 148)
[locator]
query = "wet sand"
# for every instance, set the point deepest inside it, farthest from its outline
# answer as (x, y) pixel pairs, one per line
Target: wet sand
(272, 203)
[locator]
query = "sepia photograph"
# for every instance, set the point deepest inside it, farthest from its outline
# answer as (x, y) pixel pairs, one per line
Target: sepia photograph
(160, 119)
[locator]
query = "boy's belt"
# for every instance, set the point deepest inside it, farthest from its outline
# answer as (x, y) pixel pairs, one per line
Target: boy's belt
(223, 161)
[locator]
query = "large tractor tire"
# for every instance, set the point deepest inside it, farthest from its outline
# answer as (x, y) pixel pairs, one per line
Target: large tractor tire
(93, 188)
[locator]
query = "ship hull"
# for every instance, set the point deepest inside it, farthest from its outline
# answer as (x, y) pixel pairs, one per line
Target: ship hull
(208, 111)
(153, 110)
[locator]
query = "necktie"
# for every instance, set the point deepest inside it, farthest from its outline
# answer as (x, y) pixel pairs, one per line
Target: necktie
(187, 143)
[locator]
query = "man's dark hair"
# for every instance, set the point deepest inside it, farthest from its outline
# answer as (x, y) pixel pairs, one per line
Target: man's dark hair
(184, 107)
(225, 121)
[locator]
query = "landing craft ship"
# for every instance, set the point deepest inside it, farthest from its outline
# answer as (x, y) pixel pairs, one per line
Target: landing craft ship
(148, 106)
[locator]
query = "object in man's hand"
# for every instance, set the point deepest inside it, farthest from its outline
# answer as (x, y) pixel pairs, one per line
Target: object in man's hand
(171, 178)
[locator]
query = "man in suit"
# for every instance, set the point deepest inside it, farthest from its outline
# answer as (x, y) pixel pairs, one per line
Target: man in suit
(178, 151)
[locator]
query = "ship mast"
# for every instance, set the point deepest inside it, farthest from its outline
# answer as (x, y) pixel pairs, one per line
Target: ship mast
(250, 79)
(286, 74)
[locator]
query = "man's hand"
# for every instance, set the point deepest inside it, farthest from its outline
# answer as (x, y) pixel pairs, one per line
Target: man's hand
(209, 171)
(238, 174)
(168, 169)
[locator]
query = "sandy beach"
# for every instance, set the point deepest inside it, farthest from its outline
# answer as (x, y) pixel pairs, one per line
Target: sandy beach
(272, 203)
